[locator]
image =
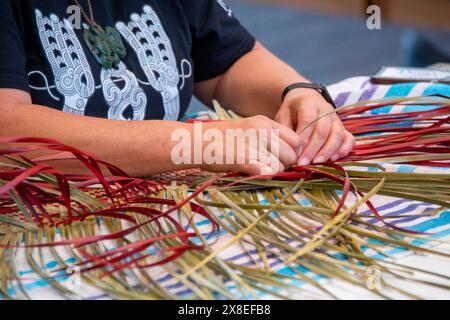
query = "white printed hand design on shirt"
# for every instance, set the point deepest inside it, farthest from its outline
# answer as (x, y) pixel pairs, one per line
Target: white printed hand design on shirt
(147, 37)
(73, 76)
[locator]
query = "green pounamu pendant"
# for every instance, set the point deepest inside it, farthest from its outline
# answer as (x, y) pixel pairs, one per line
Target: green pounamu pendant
(106, 45)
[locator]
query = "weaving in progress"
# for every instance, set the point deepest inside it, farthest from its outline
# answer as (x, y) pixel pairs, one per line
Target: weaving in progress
(224, 158)
(198, 235)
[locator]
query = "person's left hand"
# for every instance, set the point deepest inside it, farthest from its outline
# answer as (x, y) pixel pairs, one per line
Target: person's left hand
(324, 140)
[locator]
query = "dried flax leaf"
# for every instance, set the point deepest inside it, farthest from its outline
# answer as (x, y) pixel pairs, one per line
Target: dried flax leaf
(326, 238)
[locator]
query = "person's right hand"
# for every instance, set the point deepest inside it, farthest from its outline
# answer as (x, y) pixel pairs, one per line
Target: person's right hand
(268, 158)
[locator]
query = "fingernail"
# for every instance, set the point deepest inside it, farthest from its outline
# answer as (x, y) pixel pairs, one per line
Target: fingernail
(335, 157)
(304, 162)
(319, 159)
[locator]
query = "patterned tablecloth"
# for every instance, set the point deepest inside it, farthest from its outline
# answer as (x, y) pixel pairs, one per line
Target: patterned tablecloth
(345, 92)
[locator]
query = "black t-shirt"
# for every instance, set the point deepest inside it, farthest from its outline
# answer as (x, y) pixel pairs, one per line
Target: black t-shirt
(171, 44)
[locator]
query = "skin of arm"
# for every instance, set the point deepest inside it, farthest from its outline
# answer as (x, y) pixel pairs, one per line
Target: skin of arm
(141, 148)
(126, 144)
(253, 85)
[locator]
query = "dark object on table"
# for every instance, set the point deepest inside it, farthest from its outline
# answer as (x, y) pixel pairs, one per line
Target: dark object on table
(388, 75)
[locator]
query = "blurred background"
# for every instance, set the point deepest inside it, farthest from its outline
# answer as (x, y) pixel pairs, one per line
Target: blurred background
(328, 40)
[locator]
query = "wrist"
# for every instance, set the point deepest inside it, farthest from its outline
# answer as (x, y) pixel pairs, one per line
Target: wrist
(198, 143)
(300, 93)
(307, 90)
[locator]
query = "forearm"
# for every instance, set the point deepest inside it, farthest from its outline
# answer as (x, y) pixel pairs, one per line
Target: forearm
(141, 148)
(254, 84)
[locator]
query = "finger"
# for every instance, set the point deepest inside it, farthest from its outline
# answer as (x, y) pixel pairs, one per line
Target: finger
(256, 167)
(282, 150)
(253, 169)
(333, 143)
(284, 117)
(288, 135)
(272, 162)
(305, 127)
(318, 139)
(346, 147)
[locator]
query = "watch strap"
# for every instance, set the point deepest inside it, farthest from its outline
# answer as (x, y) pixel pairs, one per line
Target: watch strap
(306, 85)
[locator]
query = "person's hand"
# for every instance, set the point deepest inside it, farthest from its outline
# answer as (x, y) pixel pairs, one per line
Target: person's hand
(325, 139)
(277, 153)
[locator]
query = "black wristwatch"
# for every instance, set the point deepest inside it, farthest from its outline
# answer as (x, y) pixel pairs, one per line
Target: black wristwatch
(316, 86)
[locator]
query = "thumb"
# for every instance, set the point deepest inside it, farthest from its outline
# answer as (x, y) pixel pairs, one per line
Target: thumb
(258, 168)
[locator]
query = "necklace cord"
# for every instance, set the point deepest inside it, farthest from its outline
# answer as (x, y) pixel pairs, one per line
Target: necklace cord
(90, 20)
